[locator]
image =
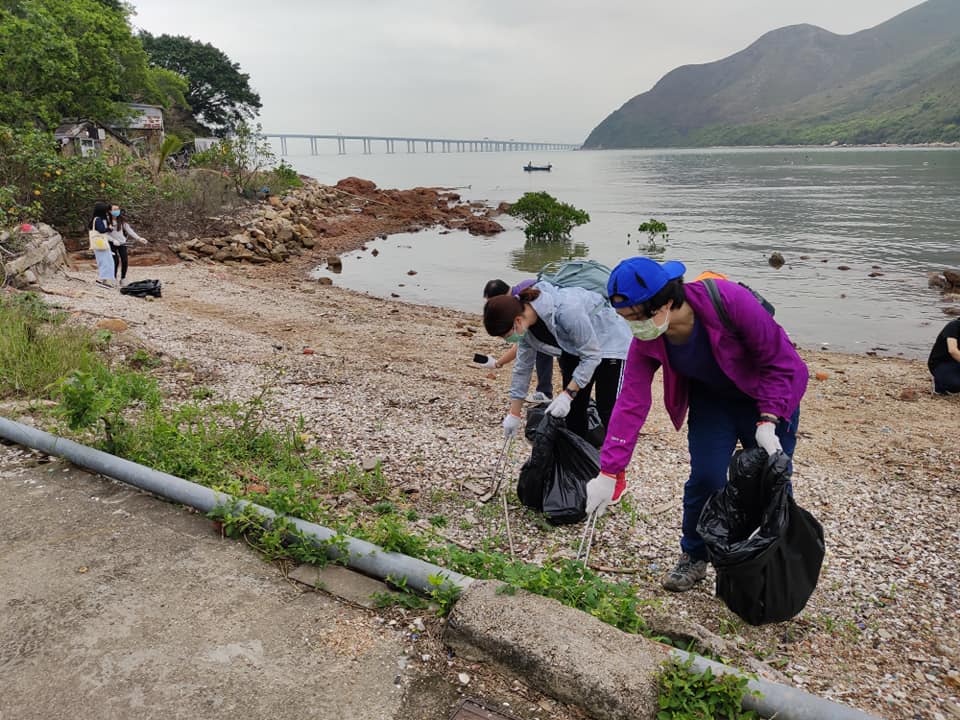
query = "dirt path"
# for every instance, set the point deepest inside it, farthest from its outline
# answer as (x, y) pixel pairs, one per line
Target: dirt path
(878, 463)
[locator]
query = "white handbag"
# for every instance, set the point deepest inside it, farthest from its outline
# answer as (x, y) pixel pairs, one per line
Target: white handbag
(99, 241)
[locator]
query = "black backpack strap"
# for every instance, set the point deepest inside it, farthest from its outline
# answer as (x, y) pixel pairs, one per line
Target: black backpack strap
(717, 301)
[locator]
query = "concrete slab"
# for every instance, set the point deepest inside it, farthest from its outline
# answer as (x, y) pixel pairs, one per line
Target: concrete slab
(337, 580)
(114, 604)
(558, 650)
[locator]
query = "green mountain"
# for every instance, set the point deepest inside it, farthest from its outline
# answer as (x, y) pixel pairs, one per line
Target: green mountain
(898, 82)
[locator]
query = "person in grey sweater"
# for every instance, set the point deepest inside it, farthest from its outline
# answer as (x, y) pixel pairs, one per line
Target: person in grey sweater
(119, 233)
(593, 339)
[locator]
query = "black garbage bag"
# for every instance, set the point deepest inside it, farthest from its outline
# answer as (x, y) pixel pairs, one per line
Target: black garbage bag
(142, 288)
(766, 549)
(554, 480)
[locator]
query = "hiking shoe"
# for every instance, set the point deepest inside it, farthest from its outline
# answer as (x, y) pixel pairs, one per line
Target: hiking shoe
(538, 398)
(121, 282)
(685, 575)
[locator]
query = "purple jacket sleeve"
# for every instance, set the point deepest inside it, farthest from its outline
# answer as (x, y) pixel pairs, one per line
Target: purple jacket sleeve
(630, 412)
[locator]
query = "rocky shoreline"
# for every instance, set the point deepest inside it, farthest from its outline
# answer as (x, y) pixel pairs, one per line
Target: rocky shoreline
(335, 219)
(382, 381)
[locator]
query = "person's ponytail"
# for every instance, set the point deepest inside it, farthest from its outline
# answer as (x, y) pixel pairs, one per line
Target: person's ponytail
(528, 295)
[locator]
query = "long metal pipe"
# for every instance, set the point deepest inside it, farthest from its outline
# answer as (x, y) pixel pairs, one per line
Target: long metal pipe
(780, 701)
(361, 555)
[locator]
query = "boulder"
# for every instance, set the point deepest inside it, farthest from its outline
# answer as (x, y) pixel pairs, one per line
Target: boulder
(482, 226)
(113, 325)
(284, 231)
(43, 253)
(356, 185)
(302, 231)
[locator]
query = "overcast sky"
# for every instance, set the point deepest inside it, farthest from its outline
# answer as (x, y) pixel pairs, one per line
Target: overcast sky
(542, 70)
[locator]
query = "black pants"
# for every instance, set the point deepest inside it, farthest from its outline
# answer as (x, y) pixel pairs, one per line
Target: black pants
(606, 378)
(545, 374)
(119, 260)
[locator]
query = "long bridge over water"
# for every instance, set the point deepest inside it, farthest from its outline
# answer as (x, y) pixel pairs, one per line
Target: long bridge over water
(429, 144)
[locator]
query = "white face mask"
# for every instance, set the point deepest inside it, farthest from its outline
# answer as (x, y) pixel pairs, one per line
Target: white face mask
(648, 329)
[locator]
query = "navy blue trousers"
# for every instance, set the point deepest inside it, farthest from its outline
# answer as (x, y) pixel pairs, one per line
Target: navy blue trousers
(714, 425)
(946, 377)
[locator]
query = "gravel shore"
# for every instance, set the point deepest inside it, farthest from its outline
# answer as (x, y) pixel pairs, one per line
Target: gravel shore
(878, 463)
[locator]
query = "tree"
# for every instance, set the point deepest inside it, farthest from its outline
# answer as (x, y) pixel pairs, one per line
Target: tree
(73, 58)
(657, 236)
(218, 94)
(545, 218)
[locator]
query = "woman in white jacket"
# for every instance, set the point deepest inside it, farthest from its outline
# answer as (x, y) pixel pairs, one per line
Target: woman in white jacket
(594, 341)
(119, 233)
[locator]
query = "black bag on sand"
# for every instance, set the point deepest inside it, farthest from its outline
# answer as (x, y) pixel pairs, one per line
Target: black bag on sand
(142, 288)
(765, 548)
(554, 480)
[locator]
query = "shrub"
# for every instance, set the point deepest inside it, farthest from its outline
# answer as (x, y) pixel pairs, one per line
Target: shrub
(39, 184)
(545, 217)
(241, 157)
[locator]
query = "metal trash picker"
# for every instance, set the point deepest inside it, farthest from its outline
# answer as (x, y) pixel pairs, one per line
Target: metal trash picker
(496, 487)
(586, 540)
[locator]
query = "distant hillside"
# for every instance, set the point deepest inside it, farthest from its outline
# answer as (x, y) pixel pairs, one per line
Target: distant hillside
(898, 82)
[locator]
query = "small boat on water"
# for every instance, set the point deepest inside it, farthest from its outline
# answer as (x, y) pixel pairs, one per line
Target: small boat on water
(530, 167)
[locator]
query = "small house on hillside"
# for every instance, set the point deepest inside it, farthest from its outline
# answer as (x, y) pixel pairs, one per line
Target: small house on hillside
(86, 137)
(144, 128)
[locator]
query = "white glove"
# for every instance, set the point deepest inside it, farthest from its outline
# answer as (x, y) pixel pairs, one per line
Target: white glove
(560, 406)
(511, 423)
(490, 362)
(600, 493)
(767, 437)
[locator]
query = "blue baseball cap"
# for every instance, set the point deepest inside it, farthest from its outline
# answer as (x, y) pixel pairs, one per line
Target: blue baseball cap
(638, 279)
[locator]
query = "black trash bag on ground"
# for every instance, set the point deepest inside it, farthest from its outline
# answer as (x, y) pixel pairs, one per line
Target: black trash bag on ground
(535, 415)
(554, 480)
(765, 548)
(142, 288)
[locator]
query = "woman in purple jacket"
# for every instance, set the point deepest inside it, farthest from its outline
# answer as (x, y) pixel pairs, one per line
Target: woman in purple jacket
(740, 380)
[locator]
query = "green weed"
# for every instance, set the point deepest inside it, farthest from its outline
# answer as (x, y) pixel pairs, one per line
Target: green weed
(685, 694)
(140, 359)
(38, 348)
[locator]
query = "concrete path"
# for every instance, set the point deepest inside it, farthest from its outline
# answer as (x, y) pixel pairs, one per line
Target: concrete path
(117, 605)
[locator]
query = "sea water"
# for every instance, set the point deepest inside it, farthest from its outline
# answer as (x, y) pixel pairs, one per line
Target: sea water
(888, 215)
